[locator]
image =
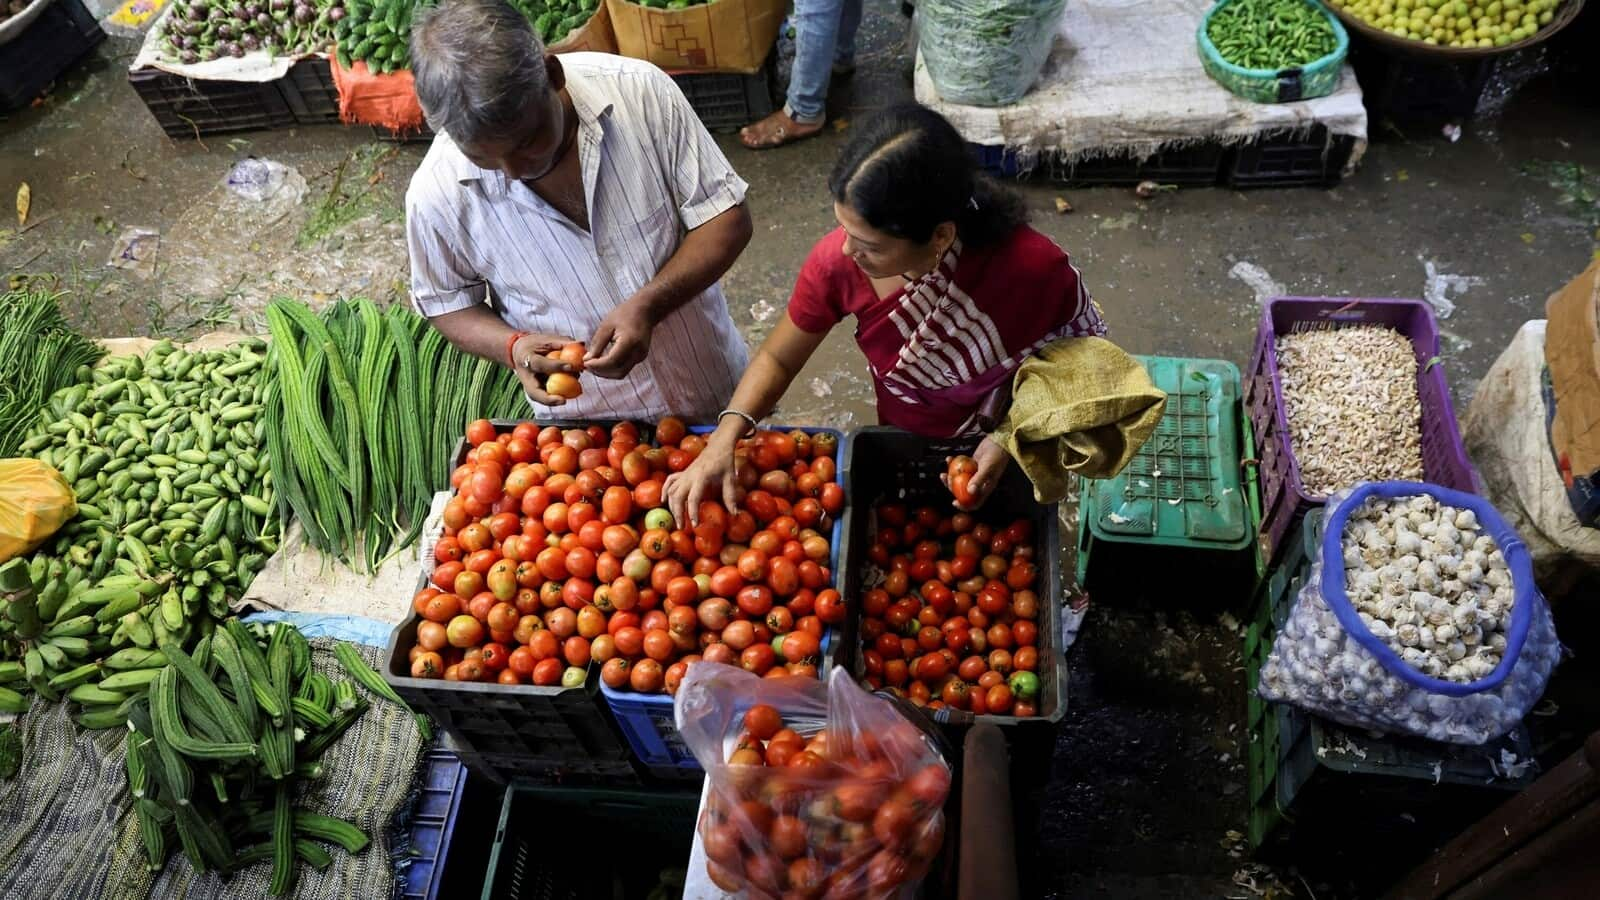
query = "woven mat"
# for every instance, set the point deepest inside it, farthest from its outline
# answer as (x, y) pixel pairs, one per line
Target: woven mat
(67, 828)
(1124, 77)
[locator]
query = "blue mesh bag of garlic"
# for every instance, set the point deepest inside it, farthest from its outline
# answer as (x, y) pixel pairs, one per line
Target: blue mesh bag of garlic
(1420, 617)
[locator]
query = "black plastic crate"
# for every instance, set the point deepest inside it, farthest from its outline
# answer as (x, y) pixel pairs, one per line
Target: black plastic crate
(886, 463)
(1195, 165)
(1314, 159)
(190, 108)
(729, 101)
(413, 136)
(1415, 89)
(506, 732)
(310, 92)
(59, 37)
(530, 862)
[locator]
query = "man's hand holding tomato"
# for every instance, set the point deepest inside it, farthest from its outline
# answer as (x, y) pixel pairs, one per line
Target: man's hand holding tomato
(971, 479)
(534, 366)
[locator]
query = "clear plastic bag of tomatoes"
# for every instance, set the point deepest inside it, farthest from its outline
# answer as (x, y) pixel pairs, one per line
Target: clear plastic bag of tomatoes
(816, 789)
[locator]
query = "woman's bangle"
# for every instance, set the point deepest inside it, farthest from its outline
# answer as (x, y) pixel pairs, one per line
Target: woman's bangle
(511, 346)
(749, 420)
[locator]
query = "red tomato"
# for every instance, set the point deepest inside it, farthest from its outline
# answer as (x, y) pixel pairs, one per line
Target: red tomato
(801, 646)
(647, 676)
(782, 576)
(480, 431)
(755, 600)
(758, 658)
(522, 661)
(726, 581)
(998, 700)
(830, 607)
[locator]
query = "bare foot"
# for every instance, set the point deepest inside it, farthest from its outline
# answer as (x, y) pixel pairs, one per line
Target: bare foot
(775, 131)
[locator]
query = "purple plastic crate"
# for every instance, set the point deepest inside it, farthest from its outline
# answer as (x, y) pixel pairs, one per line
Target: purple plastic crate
(1284, 500)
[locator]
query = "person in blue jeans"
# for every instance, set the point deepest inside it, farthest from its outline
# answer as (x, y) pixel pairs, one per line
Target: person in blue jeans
(825, 45)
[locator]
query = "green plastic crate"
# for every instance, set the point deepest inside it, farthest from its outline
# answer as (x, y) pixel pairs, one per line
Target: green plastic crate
(1185, 489)
(1296, 761)
(1250, 471)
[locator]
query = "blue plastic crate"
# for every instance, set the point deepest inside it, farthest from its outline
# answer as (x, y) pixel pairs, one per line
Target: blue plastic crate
(433, 825)
(647, 720)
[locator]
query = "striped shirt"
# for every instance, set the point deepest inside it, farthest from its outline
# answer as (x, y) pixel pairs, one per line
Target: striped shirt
(650, 174)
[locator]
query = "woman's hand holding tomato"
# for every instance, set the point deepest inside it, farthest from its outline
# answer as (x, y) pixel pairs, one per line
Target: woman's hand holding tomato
(971, 479)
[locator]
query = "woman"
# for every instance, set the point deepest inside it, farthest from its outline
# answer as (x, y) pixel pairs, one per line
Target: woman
(950, 288)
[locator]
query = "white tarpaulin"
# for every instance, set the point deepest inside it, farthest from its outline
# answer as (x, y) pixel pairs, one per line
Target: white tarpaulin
(1124, 77)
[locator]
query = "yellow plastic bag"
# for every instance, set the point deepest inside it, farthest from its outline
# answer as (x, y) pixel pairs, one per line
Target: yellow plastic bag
(34, 501)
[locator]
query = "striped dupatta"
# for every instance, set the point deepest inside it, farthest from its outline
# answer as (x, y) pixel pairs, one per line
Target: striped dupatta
(944, 343)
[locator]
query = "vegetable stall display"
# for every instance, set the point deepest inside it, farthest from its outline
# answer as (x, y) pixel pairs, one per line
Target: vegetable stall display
(558, 552)
(39, 355)
(203, 30)
(1273, 51)
(378, 32)
(1420, 616)
(362, 410)
(1271, 34)
(1350, 396)
(220, 748)
(813, 789)
(165, 454)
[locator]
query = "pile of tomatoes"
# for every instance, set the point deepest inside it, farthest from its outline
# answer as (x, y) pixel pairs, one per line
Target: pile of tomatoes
(558, 553)
(955, 620)
(819, 817)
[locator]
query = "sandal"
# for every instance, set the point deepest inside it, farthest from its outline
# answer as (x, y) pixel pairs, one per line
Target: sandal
(775, 131)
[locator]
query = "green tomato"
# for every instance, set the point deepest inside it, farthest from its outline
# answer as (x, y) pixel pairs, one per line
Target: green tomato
(1024, 686)
(660, 517)
(573, 677)
(777, 647)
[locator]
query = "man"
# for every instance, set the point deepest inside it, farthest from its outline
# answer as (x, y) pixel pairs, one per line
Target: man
(570, 199)
(824, 47)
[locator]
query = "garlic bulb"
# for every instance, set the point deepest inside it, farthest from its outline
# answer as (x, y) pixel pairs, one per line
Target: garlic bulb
(1427, 582)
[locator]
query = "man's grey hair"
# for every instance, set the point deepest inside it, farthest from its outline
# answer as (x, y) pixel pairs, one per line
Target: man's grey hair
(477, 66)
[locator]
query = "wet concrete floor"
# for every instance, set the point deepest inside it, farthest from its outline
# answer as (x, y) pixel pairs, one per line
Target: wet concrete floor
(1148, 779)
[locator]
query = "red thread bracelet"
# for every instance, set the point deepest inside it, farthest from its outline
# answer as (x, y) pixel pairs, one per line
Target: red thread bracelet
(511, 346)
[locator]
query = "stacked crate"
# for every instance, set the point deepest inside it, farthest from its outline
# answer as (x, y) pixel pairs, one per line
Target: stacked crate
(1304, 770)
(1184, 507)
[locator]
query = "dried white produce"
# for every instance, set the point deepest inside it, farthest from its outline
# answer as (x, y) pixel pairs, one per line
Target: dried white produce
(1350, 395)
